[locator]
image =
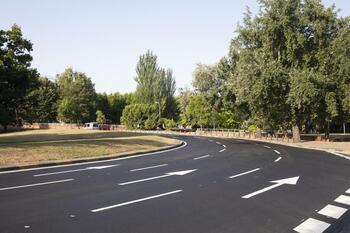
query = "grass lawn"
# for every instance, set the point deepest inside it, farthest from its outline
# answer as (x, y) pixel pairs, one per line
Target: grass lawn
(40, 146)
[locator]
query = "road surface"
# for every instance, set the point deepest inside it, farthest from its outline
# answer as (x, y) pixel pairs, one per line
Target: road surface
(209, 185)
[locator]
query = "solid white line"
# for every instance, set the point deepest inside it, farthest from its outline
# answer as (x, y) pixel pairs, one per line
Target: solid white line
(312, 226)
(278, 159)
(277, 152)
(348, 191)
(146, 168)
(262, 190)
(146, 179)
(332, 211)
(135, 201)
(37, 184)
(222, 150)
(201, 157)
(343, 199)
(244, 173)
(218, 143)
(99, 161)
(267, 147)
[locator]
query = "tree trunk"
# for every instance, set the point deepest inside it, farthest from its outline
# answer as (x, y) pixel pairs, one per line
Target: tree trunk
(296, 133)
(5, 128)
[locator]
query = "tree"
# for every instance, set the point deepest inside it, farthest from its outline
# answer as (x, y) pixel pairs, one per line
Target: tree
(155, 85)
(77, 97)
(140, 116)
(17, 78)
(100, 117)
(40, 105)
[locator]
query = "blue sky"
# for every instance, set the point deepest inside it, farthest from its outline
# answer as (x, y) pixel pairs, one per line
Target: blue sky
(105, 38)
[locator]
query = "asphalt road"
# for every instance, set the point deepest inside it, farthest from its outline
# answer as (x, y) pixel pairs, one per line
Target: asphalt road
(209, 185)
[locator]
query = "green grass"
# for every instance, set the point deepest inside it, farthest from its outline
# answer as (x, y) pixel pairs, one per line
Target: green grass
(39, 146)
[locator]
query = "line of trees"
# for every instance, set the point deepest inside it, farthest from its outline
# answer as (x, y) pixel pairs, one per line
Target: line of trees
(287, 68)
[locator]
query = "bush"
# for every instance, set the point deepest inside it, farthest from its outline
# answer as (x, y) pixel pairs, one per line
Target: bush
(169, 123)
(252, 128)
(140, 116)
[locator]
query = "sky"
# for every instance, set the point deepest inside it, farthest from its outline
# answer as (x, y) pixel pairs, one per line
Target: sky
(104, 38)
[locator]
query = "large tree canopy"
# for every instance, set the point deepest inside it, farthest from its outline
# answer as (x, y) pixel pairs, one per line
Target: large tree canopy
(17, 78)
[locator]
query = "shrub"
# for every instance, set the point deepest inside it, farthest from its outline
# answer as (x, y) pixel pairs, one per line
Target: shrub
(169, 123)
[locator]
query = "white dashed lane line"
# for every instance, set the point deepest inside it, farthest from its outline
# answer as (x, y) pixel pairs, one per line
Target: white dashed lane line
(278, 159)
(267, 147)
(224, 146)
(146, 168)
(343, 199)
(332, 211)
(222, 150)
(312, 225)
(219, 143)
(201, 157)
(276, 151)
(244, 173)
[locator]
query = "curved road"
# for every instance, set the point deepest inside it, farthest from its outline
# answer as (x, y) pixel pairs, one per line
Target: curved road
(210, 185)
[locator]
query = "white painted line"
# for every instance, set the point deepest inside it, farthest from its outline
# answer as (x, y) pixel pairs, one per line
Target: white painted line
(201, 157)
(92, 162)
(77, 170)
(37, 184)
(312, 225)
(210, 140)
(291, 180)
(218, 143)
(135, 201)
(222, 150)
(146, 168)
(343, 199)
(348, 191)
(278, 159)
(244, 173)
(224, 146)
(179, 173)
(332, 211)
(277, 152)
(336, 153)
(267, 147)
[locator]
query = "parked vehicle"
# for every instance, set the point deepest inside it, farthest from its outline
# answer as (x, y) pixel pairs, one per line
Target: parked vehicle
(91, 126)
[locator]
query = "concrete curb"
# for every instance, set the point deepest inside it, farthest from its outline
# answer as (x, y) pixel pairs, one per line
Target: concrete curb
(100, 158)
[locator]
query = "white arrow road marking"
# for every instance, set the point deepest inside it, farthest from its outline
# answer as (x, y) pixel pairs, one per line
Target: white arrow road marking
(37, 184)
(77, 170)
(332, 211)
(277, 152)
(292, 180)
(278, 159)
(348, 191)
(222, 150)
(244, 173)
(343, 199)
(135, 201)
(312, 226)
(179, 173)
(201, 157)
(146, 168)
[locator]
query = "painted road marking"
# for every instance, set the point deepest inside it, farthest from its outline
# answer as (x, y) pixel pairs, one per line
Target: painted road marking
(222, 150)
(201, 157)
(99, 161)
(277, 152)
(210, 140)
(244, 173)
(37, 184)
(218, 143)
(179, 173)
(278, 159)
(291, 180)
(312, 225)
(146, 168)
(135, 201)
(77, 170)
(224, 146)
(267, 147)
(343, 199)
(332, 211)
(348, 191)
